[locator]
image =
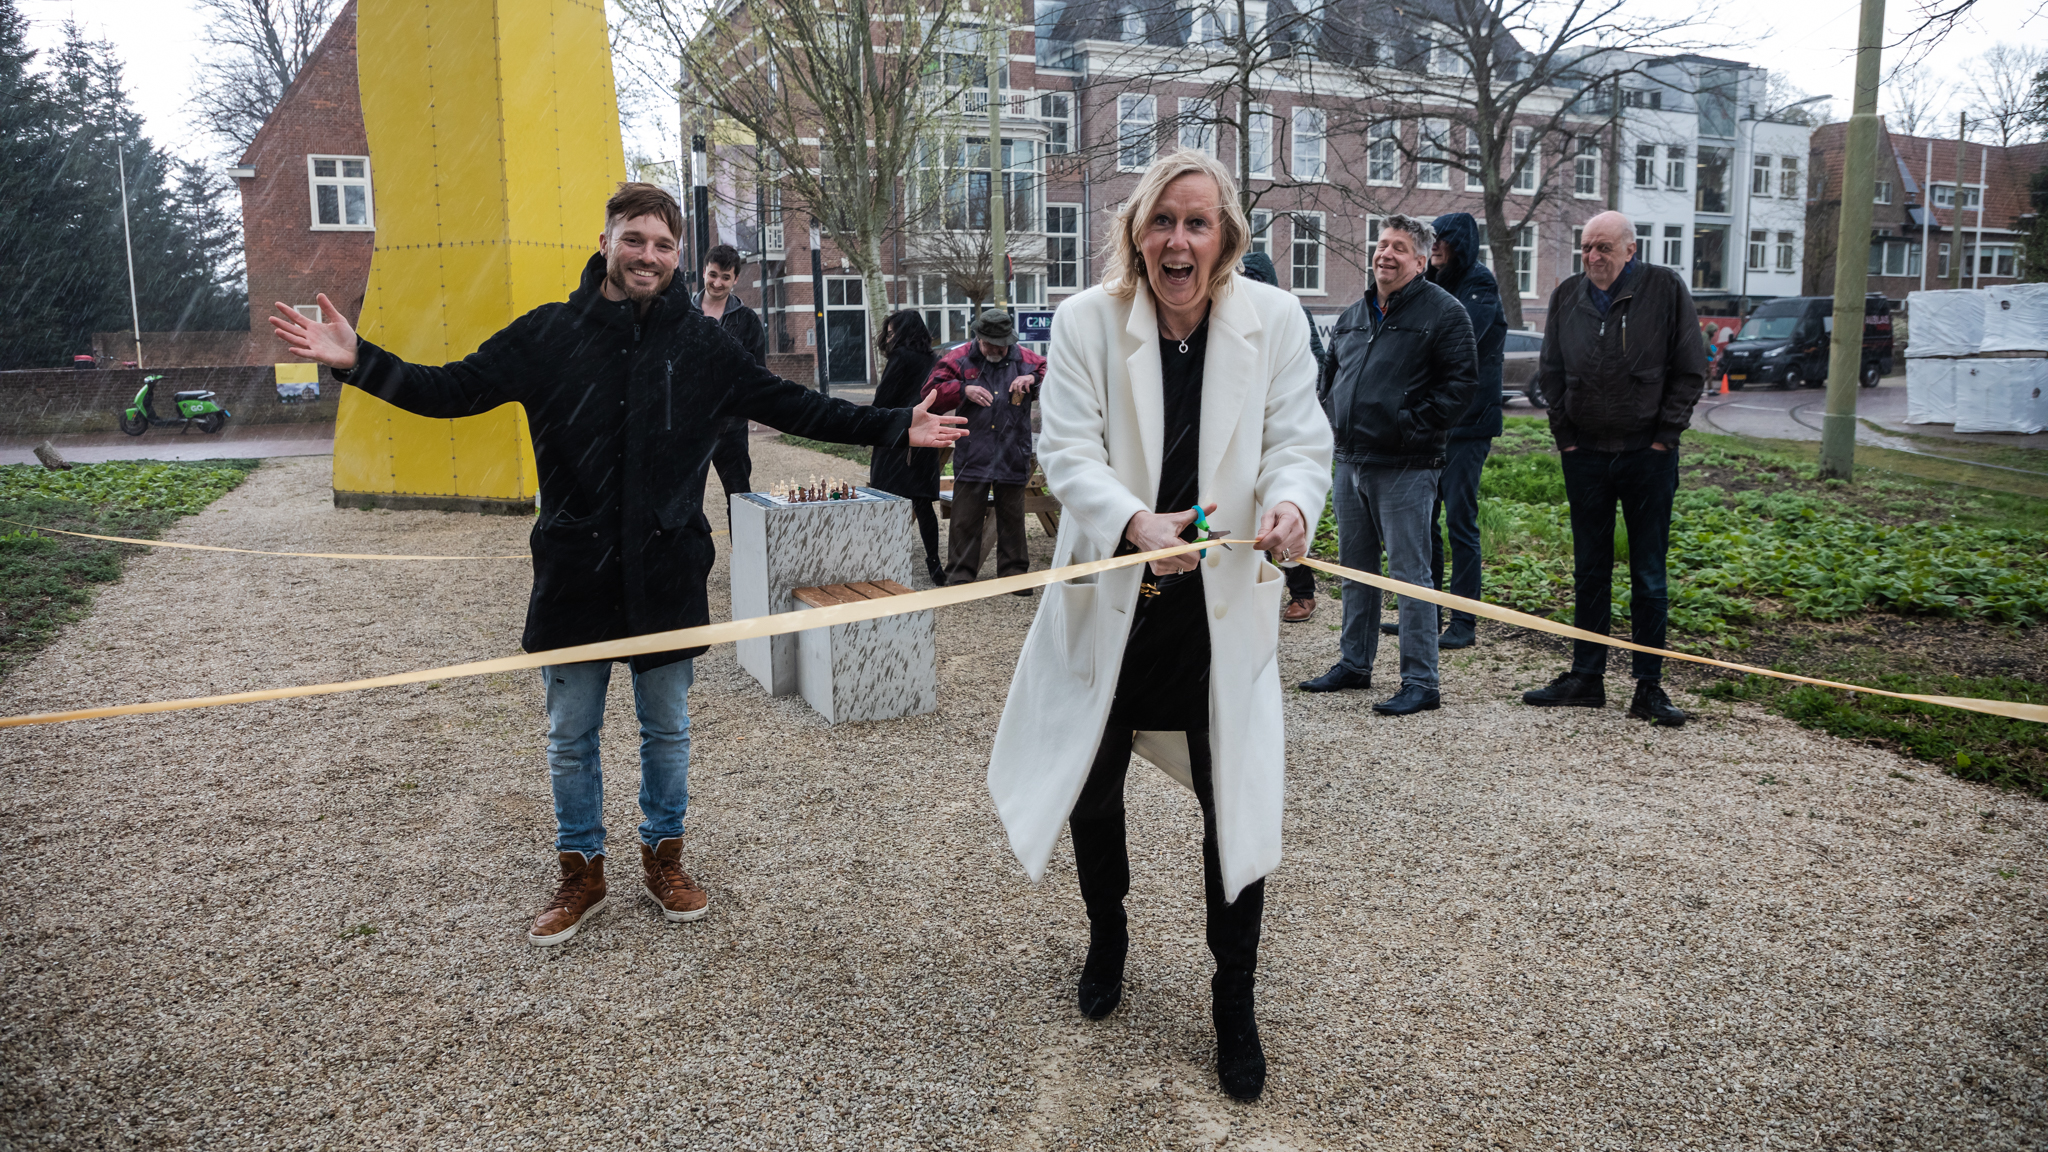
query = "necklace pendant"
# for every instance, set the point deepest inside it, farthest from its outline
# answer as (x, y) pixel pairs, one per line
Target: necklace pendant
(1183, 347)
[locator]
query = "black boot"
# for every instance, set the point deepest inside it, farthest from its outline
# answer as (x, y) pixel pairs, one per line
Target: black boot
(1103, 868)
(1233, 931)
(1102, 976)
(1240, 1060)
(936, 571)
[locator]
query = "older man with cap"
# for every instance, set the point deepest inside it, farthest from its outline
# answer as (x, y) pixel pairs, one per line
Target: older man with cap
(992, 382)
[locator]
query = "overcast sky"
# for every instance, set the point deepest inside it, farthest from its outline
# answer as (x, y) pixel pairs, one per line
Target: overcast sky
(1812, 42)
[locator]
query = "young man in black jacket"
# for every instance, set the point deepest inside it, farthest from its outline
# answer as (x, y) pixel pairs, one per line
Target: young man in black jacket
(1454, 266)
(719, 302)
(1621, 368)
(1401, 369)
(626, 386)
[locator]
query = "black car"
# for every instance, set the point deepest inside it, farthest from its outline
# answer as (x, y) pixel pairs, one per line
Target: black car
(1785, 343)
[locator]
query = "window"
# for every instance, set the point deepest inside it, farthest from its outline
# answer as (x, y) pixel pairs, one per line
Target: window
(1262, 142)
(1646, 165)
(1525, 159)
(1383, 153)
(1586, 168)
(1430, 153)
(1941, 262)
(1788, 255)
(1760, 176)
(1306, 269)
(1990, 260)
(1712, 193)
(1373, 224)
(1709, 256)
(1643, 98)
(1788, 177)
(340, 187)
(1027, 289)
(1525, 259)
(1884, 192)
(1445, 59)
(1198, 125)
(1134, 25)
(1579, 248)
(1675, 166)
(1262, 231)
(310, 312)
(1309, 147)
(771, 219)
(1892, 257)
(1135, 116)
(1674, 246)
(1056, 109)
(944, 305)
(1945, 196)
(1063, 245)
(1759, 246)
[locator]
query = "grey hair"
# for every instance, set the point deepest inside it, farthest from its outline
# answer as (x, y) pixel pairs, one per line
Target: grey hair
(1421, 231)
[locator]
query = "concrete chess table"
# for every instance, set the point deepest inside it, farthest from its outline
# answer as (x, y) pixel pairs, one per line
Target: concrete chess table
(870, 670)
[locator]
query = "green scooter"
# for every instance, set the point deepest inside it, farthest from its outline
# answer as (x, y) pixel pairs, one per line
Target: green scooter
(194, 409)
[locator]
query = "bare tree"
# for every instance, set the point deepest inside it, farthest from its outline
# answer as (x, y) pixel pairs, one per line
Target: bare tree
(2002, 90)
(258, 47)
(1915, 104)
(1787, 103)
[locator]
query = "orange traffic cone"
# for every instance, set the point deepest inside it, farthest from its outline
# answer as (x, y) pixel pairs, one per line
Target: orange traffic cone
(1724, 383)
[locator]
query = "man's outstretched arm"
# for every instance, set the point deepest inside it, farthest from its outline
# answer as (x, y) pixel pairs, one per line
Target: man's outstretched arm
(474, 384)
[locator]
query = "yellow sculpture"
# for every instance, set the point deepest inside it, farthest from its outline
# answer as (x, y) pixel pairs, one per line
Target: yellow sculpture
(494, 141)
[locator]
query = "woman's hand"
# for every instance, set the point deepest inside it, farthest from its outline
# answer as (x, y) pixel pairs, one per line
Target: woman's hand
(331, 342)
(929, 431)
(1151, 531)
(1283, 532)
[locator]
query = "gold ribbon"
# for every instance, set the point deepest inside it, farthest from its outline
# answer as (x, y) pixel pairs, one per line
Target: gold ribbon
(783, 623)
(260, 552)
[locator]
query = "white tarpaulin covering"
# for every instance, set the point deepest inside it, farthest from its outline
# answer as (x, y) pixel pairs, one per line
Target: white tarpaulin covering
(1949, 323)
(1931, 391)
(2000, 395)
(2015, 318)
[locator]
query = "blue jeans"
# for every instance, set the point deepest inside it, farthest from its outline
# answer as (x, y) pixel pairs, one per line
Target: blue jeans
(1458, 501)
(1389, 508)
(575, 696)
(1643, 483)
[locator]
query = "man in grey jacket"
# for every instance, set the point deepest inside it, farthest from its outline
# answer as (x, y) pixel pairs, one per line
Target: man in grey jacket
(1401, 369)
(1622, 367)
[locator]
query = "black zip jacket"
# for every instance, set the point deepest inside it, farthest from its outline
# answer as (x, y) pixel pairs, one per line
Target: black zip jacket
(1467, 279)
(1394, 386)
(744, 325)
(625, 412)
(1621, 381)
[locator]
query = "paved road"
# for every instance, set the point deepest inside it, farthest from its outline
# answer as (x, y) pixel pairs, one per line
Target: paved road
(1797, 415)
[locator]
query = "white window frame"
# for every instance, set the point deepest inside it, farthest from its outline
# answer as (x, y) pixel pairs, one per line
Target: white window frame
(1525, 261)
(1759, 249)
(1677, 162)
(1523, 143)
(1263, 124)
(1198, 124)
(1646, 165)
(1311, 148)
(339, 183)
(1432, 156)
(1137, 117)
(310, 312)
(1883, 193)
(1383, 153)
(1788, 178)
(1674, 246)
(1579, 248)
(1373, 226)
(1760, 175)
(1788, 253)
(1056, 109)
(1054, 266)
(1262, 230)
(1297, 271)
(1945, 196)
(1586, 168)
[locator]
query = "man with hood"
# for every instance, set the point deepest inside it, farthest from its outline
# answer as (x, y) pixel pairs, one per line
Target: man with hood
(1301, 579)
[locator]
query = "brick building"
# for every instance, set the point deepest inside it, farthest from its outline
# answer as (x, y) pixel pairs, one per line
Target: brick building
(308, 206)
(1920, 225)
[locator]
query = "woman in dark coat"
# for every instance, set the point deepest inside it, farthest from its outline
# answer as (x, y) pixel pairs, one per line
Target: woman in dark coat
(910, 473)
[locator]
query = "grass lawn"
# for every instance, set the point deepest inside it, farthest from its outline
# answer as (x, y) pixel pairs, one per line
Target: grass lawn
(47, 581)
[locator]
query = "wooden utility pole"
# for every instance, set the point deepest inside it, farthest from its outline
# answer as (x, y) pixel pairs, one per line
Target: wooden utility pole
(1852, 250)
(998, 243)
(1955, 207)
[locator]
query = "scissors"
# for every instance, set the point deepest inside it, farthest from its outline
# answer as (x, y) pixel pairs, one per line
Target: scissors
(1205, 532)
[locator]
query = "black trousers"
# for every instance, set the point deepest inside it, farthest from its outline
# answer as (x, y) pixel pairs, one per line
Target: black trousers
(1103, 864)
(970, 501)
(927, 519)
(735, 467)
(1644, 483)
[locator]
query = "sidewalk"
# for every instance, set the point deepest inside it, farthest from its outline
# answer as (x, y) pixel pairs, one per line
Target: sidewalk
(236, 441)
(1797, 415)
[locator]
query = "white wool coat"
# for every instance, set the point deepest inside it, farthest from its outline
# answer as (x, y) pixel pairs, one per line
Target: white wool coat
(1264, 440)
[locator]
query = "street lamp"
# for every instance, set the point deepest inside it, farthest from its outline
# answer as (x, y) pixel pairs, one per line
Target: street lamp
(1742, 301)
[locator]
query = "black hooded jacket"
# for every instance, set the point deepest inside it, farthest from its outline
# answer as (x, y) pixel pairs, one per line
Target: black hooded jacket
(1474, 286)
(1259, 266)
(625, 412)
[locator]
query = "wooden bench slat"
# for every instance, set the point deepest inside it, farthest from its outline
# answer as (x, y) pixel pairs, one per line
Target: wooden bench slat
(827, 595)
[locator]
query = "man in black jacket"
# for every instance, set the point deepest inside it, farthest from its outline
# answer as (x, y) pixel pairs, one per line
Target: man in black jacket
(1401, 369)
(1454, 266)
(718, 302)
(626, 387)
(1621, 368)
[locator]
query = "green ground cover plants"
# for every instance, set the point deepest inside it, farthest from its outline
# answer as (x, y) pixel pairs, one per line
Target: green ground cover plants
(47, 581)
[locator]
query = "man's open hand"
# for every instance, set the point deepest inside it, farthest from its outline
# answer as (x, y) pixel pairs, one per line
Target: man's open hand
(1151, 531)
(331, 341)
(927, 430)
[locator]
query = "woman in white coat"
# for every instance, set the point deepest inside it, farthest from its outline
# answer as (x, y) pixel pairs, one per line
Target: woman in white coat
(1174, 385)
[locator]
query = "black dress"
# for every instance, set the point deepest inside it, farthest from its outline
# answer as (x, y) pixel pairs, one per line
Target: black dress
(912, 473)
(1163, 684)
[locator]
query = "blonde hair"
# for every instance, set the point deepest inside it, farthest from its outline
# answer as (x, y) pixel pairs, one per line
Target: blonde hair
(1124, 264)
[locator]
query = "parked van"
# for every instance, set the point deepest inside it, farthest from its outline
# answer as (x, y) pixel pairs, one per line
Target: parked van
(1785, 343)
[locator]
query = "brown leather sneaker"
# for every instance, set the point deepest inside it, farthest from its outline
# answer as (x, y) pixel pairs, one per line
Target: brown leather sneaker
(1296, 611)
(668, 885)
(578, 897)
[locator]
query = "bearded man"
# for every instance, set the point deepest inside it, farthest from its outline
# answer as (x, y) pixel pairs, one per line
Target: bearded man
(626, 387)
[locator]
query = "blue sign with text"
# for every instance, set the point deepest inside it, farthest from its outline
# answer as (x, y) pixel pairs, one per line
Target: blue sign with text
(1034, 325)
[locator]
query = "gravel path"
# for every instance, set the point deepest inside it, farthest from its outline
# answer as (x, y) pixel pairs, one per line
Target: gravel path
(300, 925)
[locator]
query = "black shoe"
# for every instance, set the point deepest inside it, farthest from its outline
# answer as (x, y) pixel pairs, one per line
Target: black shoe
(1652, 704)
(1023, 591)
(937, 572)
(1573, 689)
(1461, 634)
(1390, 627)
(1412, 698)
(1240, 1060)
(1336, 680)
(1102, 975)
